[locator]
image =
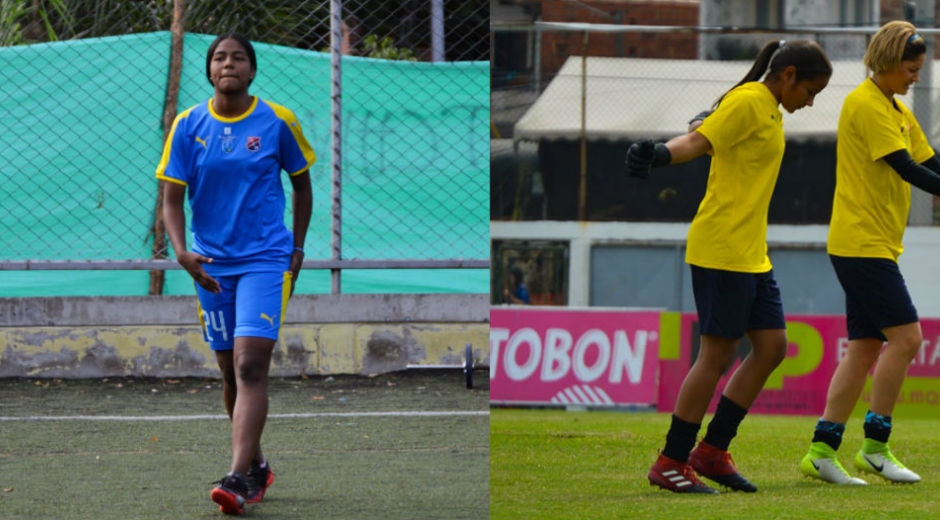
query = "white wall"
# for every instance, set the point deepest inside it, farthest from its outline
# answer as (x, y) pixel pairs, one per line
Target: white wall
(920, 262)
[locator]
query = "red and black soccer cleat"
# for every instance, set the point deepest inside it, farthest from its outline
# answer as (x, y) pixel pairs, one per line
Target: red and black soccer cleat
(259, 480)
(231, 493)
(677, 477)
(716, 464)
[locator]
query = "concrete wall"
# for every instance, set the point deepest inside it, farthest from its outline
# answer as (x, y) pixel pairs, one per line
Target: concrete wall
(159, 336)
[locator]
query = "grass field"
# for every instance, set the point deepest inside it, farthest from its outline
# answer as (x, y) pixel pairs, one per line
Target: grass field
(551, 464)
(149, 449)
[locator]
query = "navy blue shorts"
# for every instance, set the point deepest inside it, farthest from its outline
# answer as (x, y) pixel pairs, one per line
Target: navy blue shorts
(730, 303)
(876, 296)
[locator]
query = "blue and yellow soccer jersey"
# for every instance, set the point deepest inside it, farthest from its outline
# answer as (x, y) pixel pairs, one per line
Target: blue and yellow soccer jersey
(729, 231)
(232, 170)
(872, 202)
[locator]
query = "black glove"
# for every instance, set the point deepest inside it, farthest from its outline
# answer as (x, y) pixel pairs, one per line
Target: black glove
(640, 158)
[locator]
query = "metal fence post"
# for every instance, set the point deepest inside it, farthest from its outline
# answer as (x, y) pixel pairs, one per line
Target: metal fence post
(922, 202)
(336, 132)
(437, 30)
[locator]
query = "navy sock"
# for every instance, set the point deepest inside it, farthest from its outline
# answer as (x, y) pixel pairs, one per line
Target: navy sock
(877, 426)
(724, 425)
(680, 439)
(829, 432)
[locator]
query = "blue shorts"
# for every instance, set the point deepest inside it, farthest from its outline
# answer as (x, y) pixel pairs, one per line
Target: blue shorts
(730, 303)
(250, 304)
(876, 296)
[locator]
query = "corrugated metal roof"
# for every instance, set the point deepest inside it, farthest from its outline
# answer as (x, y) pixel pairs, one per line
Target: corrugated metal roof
(630, 98)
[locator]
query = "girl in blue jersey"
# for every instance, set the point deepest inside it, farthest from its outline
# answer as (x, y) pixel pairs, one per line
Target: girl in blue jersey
(228, 153)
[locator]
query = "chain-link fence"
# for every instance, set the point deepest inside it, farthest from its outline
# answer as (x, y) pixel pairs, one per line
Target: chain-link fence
(562, 124)
(393, 97)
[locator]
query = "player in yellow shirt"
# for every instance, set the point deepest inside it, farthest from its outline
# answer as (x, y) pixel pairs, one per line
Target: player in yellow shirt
(880, 152)
(732, 277)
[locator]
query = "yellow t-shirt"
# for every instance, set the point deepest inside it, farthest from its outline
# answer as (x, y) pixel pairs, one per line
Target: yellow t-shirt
(872, 202)
(729, 231)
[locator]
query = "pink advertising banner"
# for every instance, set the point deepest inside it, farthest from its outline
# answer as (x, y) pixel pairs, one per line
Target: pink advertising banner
(611, 357)
(800, 383)
(560, 356)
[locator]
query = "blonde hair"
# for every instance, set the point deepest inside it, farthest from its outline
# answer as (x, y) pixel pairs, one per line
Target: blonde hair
(895, 42)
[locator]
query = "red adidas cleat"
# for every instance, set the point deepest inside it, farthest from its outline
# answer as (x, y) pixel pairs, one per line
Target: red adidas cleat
(716, 464)
(677, 477)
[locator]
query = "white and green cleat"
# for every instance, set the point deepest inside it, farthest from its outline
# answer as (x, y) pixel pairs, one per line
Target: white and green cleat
(821, 463)
(885, 465)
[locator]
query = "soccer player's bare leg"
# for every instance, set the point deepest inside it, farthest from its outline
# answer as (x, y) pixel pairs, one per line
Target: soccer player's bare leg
(849, 378)
(710, 458)
(891, 363)
(251, 360)
(715, 356)
(225, 359)
(903, 343)
(768, 349)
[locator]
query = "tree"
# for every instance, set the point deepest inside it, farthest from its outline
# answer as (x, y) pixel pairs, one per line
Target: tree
(385, 49)
(292, 23)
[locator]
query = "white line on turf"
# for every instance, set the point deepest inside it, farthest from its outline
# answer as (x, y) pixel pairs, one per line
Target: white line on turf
(131, 418)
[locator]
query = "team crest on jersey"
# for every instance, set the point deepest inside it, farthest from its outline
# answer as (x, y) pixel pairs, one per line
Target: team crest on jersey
(228, 143)
(253, 144)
